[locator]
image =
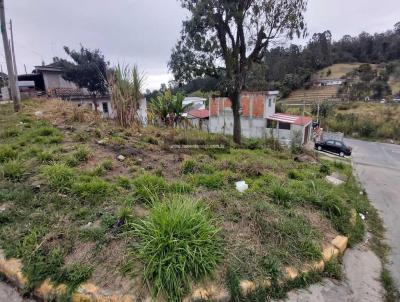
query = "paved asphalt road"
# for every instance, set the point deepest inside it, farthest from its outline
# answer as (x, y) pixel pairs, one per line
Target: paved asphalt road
(378, 168)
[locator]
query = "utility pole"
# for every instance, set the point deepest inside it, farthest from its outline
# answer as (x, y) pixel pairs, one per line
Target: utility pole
(14, 61)
(7, 53)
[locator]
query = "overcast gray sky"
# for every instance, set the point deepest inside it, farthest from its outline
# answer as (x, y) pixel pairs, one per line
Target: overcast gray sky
(144, 31)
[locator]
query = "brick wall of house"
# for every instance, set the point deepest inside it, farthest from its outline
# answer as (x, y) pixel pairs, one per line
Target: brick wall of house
(252, 104)
(258, 106)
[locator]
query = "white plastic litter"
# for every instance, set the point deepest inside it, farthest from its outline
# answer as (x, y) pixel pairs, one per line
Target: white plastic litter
(241, 186)
(39, 113)
(362, 216)
(121, 157)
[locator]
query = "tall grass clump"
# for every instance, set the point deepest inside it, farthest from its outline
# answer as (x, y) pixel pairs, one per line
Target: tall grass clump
(59, 176)
(91, 189)
(126, 86)
(147, 187)
(12, 170)
(178, 243)
(281, 195)
(7, 153)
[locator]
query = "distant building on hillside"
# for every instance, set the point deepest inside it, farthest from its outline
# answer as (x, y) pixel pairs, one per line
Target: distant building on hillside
(329, 82)
(259, 119)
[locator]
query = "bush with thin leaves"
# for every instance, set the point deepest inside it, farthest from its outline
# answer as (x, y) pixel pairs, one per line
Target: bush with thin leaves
(59, 176)
(178, 243)
(12, 170)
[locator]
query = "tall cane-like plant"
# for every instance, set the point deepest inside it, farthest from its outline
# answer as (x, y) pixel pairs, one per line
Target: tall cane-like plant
(126, 86)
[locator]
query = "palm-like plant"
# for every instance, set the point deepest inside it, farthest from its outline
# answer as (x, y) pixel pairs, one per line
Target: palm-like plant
(126, 86)
(169, 108)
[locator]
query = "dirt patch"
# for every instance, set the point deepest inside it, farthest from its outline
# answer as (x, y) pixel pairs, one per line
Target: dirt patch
(108, 273)
(82, 253)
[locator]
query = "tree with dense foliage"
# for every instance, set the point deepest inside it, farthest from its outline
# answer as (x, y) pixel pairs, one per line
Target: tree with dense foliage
(224, 39)
(88, 70)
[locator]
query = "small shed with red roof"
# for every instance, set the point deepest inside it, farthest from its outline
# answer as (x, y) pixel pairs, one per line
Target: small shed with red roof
(199, 118)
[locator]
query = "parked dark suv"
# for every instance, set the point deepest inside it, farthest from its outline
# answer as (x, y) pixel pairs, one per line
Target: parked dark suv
(334, 146)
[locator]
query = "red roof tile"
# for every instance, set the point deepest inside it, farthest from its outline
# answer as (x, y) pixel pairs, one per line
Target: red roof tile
(291, 119)
(201, 113)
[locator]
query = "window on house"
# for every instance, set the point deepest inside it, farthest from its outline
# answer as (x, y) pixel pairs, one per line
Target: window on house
(284, 126)
(105, 107)
(269, 102)
(271, 124)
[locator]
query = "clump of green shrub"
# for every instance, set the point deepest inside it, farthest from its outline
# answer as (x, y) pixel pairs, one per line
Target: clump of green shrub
(147, 187)
(281, 195)
(7, 153)
(45, 156)
(123, 182)
(325, 169)
(59, 176)
(91, 189)
(107, 164)
(211, 181)
(177, 243)
(81, 154)
(82, 137)
(47, 135)
(180, 188)
(295, 174)
(188, 166)
(10, 132)
(191, 166)
(13, 170)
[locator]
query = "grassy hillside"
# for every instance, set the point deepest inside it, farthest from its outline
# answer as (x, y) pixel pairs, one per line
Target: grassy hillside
(162, 218)
(366, 120)
(318, 94)
(337, 71)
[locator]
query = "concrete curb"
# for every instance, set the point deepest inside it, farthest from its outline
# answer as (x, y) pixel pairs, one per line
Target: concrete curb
(336, 248)
(12, 270)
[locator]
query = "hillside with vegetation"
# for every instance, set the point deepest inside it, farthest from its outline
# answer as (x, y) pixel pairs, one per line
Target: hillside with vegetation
(363, 82)
(83, 199)
(295, 67)
(368, 121)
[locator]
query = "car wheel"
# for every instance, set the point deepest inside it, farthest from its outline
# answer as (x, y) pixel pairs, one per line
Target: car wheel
(341, 154)
(319, 148)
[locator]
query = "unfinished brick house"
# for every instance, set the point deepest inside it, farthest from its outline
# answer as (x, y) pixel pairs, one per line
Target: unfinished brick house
(258, 118)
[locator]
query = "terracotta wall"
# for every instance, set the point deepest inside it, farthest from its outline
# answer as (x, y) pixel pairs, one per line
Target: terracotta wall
(249, 102)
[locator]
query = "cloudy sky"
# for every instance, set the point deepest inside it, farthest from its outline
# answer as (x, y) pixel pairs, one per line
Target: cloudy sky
(144, 31)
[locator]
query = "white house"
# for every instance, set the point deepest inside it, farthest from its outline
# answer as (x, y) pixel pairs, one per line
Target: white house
(259, 119)
(329, 82)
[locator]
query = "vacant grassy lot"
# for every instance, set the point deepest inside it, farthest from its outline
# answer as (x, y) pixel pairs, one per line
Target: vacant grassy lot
(164, 218)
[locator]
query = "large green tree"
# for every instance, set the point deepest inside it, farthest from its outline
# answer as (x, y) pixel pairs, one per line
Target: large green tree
(224, 38)
(88, 69)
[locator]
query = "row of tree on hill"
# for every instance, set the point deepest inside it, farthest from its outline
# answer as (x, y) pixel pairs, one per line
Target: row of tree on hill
(289, 68)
